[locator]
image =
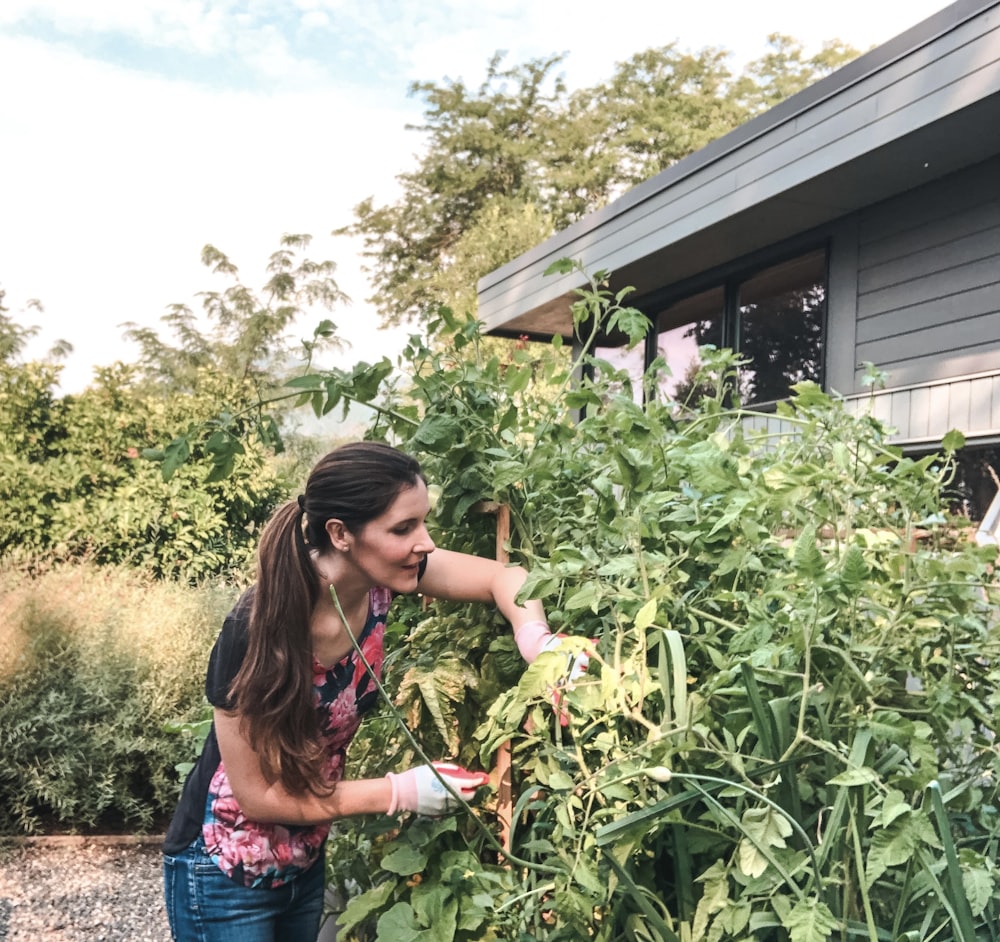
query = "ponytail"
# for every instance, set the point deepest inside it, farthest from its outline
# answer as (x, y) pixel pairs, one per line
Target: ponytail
(273, 690)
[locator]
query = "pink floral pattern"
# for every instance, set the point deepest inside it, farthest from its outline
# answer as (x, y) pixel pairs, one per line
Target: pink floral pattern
(271, 855)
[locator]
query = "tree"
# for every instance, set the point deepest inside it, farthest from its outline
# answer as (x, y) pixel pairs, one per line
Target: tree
(508, 163)
(72, 471)
(14, 337)
(659, 106)
(784, 70)
(483, 145)
(30, 413)
(240, 334)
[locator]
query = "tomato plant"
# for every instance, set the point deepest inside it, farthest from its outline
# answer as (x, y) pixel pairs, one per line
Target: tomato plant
(787, 726)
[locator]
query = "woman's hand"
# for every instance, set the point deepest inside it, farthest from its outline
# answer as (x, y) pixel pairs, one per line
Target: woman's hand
(534, 637)
(422, 791)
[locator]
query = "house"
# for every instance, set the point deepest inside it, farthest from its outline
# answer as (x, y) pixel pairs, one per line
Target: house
(857, 222)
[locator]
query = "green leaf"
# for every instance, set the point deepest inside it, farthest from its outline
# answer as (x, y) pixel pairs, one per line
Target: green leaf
(437, 432)
(359, 908)
(889, 726)
(309, 381)
(399, 924)
(561, 781)
(325, 328)
(894, 805)
(586, 596)
(979, 885)
(854, 570)
(809, 920)
(806, 557)
(952, 442)
(896, 844)
(436, 907)
(174, 455)
(808, 395)
(405, 860)
(561, 266)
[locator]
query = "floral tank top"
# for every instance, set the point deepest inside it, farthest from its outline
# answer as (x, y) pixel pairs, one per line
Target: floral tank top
(269, 855)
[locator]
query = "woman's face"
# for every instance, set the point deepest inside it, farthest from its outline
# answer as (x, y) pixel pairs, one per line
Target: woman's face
(390, 548)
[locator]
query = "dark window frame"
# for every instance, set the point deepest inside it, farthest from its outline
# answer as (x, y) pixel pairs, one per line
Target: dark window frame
(729, 277)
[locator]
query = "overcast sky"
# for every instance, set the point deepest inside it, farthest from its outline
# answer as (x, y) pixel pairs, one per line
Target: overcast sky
(136, 131)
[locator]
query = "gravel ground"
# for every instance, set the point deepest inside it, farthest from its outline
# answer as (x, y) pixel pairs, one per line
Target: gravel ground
(77, 888)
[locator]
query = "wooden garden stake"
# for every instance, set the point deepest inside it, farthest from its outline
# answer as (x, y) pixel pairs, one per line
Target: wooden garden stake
(505, 795)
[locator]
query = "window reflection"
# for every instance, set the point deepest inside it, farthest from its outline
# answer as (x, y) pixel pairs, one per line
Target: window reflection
(628, 360)
(781, 316)
(681, 329)
(775, 320)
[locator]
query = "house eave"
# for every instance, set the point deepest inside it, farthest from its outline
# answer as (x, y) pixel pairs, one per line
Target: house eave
(910, 111)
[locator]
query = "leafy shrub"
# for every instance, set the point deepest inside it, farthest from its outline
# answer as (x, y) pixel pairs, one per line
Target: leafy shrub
(788, 727)
(85, 491)
(103, 475)
(95, 662)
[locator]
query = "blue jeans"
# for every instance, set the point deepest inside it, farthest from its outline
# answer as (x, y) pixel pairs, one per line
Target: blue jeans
(204, 905)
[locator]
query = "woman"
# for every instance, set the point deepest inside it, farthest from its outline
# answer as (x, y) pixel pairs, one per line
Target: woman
(243, 853)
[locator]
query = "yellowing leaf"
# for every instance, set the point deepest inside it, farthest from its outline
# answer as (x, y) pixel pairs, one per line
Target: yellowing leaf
(646, 615)
(809, 920)
(762, 828)
(713, 898)
(863, 776)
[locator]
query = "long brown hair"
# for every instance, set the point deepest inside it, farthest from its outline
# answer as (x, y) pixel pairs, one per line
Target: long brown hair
(273, 690)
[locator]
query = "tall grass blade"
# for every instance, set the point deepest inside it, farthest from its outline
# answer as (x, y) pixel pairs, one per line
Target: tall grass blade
(639, 896)
(672, 644)
(960, 905)
(762, 717)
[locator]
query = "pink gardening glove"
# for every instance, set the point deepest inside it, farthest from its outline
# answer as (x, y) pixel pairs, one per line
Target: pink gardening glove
(421, 791)
(534, 637)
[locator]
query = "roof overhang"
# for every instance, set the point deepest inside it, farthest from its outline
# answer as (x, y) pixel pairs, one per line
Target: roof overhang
(917, 108)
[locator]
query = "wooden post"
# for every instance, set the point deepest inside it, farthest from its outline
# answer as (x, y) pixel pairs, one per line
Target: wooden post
(504, 787)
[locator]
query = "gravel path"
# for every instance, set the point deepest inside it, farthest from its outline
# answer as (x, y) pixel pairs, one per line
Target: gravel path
(73, 888)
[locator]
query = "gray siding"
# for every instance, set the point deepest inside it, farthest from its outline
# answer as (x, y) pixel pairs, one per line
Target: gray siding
(928, 303)
(924, 414)
(918, 415)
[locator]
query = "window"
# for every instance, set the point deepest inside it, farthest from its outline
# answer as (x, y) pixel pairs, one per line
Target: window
(630, 361)
(781, 315)
(681, 329)
(976, 480)
(774, 317)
